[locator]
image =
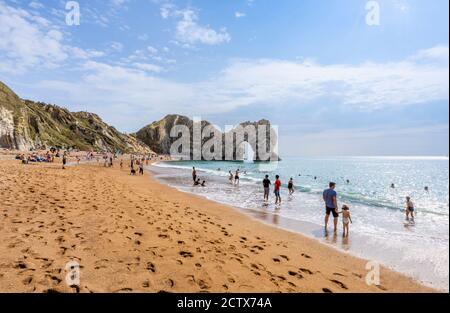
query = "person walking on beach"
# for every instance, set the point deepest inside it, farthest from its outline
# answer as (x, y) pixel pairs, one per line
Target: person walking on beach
(141, 169)
(64, 161)
(346, 220)
(277, 190)
(409, 209)
(291, 187)
(330, 199)
(266, 184)
(121, 164)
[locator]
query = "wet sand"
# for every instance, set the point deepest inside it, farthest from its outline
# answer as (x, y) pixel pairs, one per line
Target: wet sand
(133, 234)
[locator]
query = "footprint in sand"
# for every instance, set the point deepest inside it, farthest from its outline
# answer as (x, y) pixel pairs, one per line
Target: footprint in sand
(305, 270)
(295, 274)
(151, 267)
(306, 256)
(186, 254)
(340, 284)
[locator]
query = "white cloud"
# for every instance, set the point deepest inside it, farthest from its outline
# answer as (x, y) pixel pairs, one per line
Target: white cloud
(438, 53)
(366, 86)
(119, 3)
(239, 14)
(152, 50)
(148, 67)
(189, 31)
(167, 10)
(143, 37)
(84, 54)
(116, 46)
(36, 5)
(29, 41)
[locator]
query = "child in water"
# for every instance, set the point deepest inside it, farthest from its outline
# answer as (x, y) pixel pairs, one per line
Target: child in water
(346, 219)
(291, 187)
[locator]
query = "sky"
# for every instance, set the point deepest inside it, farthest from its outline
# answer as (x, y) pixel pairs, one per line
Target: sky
(351, 77)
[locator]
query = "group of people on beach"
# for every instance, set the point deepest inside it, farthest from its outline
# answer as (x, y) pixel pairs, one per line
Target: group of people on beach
(329, 196)
(197, 180)
(137, 162)
(331, 205)
(277, 188)
(36, 157)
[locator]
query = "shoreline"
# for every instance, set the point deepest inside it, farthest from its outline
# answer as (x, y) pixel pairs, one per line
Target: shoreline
(305, 229)
(139, 244)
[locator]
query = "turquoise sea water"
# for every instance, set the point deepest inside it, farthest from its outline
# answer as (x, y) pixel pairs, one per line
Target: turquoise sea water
(379, 231)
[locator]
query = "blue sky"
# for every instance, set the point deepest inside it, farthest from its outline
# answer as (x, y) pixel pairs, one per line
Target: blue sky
(332, 83)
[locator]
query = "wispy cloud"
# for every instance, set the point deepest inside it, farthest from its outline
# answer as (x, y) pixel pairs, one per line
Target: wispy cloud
(30, 40)
(366, 87)
(188, 29)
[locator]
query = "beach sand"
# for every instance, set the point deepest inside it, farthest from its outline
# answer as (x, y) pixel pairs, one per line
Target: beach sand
(133, 234)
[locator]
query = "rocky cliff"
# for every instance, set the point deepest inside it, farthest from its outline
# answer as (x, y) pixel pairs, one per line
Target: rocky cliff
(26, 125)
(158, 137)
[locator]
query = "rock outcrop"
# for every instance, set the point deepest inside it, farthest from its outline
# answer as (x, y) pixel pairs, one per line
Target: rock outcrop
(26, 125)
(158, 137)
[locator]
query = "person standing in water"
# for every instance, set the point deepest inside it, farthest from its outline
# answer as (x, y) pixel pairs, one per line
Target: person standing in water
(266, 185)
(194, 174)
(237, 178)
(330, 199)
(346, 220)
(291, 187)
(231, 178)
(409, 209)
(277, 190)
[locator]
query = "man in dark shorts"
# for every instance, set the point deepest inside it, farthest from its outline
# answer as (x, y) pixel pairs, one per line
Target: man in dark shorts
(266, 184)
(330, 199)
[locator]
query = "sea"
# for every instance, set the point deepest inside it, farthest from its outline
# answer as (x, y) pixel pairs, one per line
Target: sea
(379, 232)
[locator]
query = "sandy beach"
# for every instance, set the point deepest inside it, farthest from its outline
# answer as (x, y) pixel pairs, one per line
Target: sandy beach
(133, 234)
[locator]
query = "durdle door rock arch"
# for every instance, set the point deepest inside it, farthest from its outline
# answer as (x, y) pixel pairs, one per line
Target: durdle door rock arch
(200, 140)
